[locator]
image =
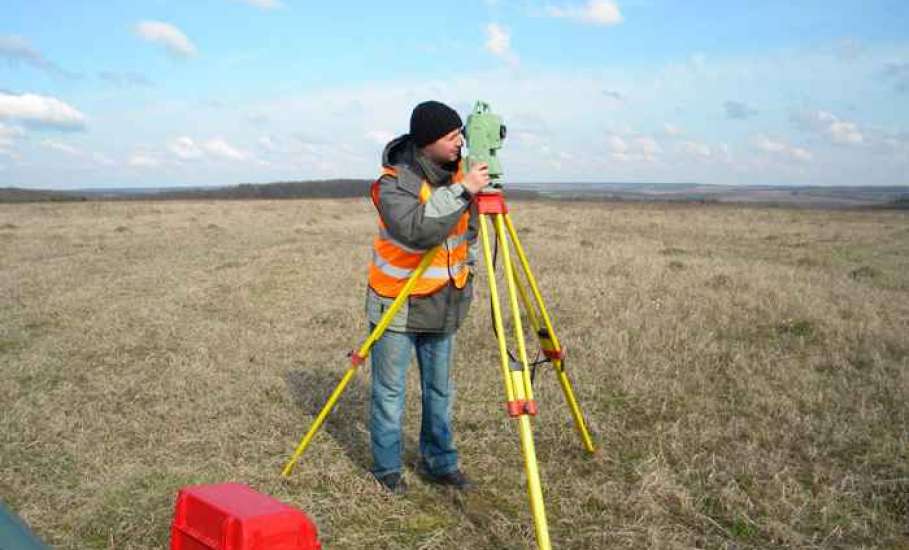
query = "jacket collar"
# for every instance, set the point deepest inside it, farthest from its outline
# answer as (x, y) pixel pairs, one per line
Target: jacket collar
(403, 151)
(434, 173)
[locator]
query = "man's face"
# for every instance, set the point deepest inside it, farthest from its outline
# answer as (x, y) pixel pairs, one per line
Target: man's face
(445, 149)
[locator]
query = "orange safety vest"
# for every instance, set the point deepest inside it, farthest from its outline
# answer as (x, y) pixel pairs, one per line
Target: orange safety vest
(393, 263)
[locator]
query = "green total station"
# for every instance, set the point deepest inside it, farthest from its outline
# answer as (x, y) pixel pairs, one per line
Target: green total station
(484, 132)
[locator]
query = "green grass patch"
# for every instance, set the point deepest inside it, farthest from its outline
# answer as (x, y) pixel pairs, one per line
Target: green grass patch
(797, 328)
(112, 515)
(672, 251)
(8, 345)
(864, 272)
(424, 522)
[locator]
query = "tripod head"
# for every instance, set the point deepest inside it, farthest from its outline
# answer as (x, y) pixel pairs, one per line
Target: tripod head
(484, 132)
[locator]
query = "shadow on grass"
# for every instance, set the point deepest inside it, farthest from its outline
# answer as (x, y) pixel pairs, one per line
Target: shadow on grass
(348, 426)
(347, 423)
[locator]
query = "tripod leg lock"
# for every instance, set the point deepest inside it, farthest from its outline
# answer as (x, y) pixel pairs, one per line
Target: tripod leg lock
(356, 359)
(520, 407)
(549, 349)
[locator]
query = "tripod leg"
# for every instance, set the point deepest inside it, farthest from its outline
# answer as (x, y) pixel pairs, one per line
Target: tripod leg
(496, 311)
(320, 419)
(517, 377)
(515, 311)
(534, 489)
(532, 315)
(556, 351)
(359, 357)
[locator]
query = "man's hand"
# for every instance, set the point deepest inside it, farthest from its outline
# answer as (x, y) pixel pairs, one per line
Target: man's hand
(477, 178)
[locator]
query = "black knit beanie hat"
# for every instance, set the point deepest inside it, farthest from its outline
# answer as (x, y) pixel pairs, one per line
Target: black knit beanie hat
(431, 120)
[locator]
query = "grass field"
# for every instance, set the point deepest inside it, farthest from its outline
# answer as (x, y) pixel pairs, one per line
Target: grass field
(745, 373)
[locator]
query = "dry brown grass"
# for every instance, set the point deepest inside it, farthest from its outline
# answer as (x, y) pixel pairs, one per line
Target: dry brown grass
(744, 371)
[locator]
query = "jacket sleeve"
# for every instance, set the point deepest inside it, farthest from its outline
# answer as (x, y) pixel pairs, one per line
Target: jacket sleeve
(415, 224)
(473, 228)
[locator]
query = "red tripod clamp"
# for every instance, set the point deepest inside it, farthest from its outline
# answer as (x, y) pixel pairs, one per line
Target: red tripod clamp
(491, 202)
(520, 407)
(355, 358)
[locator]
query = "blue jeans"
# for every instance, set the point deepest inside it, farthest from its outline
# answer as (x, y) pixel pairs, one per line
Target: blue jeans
(391, 356)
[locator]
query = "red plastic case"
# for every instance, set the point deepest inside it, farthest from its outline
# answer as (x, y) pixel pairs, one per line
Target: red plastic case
(231, 516)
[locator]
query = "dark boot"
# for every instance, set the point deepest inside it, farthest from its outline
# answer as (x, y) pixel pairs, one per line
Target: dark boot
(393, 483)
(455, 479)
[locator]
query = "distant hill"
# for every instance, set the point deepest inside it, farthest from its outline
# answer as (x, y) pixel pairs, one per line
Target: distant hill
(320, 189)
(14, 194)
(899, 203)
(337, 188)
(802, 196)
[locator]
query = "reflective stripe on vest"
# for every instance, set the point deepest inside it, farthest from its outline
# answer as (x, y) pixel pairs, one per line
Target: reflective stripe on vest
(386, 236)
(393, 262)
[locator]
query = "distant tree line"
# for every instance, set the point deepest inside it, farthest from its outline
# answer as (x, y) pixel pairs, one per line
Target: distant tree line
(321, 189)
(14, 194)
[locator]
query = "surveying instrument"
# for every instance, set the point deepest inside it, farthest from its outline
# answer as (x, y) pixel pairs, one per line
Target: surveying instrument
(485, 133)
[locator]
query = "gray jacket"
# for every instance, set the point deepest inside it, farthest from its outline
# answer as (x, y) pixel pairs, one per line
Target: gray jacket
(422, 226)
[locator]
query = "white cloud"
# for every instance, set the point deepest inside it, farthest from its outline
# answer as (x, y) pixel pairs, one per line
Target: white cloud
(595, 12)
(777, 147)
(8, 136)
(838, 131)
(264, 4)
(41, 111)
(184, 148)
(498, 42)
(72, 151)
(17, 50)
(637, 148)
(218, 147)
(143, 160)
(166, 35)
(845, 132)
(497, 39)
(648, 147)
(616, 145)
(801, 154)
(553, 104)
(61, 147)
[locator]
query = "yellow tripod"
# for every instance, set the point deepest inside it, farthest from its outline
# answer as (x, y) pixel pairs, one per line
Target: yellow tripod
(516, 375)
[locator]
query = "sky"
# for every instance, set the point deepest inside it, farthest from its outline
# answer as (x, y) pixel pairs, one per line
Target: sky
(151, 93)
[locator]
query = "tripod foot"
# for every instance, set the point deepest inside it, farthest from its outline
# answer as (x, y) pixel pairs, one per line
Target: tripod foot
(520, 407)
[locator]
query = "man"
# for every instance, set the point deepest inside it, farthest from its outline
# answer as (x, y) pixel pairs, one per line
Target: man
(423, 200)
